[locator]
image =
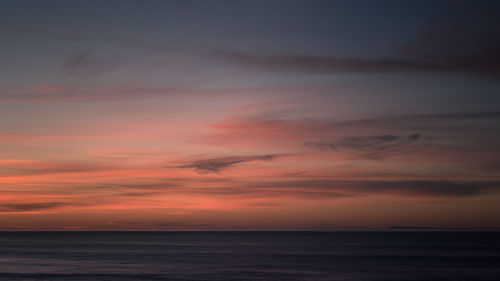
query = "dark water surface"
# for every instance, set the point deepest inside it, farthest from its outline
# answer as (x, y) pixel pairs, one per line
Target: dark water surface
(250, 256)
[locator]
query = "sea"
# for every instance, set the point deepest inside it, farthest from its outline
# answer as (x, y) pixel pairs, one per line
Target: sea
(249, 255)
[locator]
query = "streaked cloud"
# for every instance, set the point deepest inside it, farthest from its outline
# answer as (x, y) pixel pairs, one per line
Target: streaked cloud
(324, 64)
(265, 127)
(448, 45)
(403, 188)
(85, 62)
(243, 192)
(25, 167)
(27, 207)
(372, 147)
(159, 225)
(40, 31)
(74, 93)
(221, 163)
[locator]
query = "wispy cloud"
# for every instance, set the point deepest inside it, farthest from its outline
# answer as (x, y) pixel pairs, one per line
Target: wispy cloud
(438, 137)
(459, 44)
(477, 63)
(446, 46)
(117, 40)
(372, 147)
(159, 225)
(85, 62)
(20, 168)
(266, 127)
(73, 93)
(27, 207)
(323, 64)
(40, 31)
(402, 188)
(248, 192)
(221, 163)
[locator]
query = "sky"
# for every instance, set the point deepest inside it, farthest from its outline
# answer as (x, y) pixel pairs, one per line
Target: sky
(249, 115)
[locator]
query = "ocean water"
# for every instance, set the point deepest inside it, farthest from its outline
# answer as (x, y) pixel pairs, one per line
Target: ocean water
(250, 256)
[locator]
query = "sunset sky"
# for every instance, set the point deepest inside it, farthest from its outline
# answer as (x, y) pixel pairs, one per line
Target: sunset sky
(189, 115)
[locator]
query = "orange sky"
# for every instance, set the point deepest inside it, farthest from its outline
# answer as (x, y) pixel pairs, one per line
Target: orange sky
(330, 116)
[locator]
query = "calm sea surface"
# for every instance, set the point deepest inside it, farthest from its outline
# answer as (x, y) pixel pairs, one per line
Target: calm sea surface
(250, 256)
